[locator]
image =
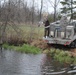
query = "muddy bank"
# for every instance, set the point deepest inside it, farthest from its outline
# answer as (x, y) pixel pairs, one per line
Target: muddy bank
(44, 46)
(40, 44)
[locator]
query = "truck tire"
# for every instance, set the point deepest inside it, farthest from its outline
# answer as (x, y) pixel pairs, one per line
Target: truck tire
(73, 44)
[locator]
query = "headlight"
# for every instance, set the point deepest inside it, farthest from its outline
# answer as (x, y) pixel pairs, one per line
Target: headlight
(62, 34)
(52, 33)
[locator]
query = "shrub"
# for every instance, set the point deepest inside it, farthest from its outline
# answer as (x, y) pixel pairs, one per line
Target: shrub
(15, 40)
(62, 56)
(5, 46)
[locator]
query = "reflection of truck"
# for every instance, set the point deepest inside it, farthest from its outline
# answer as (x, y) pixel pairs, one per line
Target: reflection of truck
(62, 32)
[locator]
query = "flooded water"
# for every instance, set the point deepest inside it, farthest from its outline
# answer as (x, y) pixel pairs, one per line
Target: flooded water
(15, 63)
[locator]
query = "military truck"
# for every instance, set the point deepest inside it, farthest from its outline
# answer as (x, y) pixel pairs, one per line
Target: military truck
(62, 32)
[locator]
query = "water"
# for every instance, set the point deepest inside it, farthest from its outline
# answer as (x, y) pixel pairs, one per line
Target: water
(53, 67)
(15, 63)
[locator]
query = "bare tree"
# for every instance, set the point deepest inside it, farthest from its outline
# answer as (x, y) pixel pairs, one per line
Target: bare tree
(7, 19)
(54, 5)
(33, 11)
(41, 9)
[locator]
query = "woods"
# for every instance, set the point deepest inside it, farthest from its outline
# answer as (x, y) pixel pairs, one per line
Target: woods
(16, 10)
(28, 13)
(20, 11)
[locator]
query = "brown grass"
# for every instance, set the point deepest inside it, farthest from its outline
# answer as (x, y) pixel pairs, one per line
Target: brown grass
(39, 43)
(73, 52)
(15, 40)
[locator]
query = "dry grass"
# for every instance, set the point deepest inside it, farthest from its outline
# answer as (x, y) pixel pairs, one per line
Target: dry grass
(33, 32)
(40, 44)
(30, 33)
(73, 52)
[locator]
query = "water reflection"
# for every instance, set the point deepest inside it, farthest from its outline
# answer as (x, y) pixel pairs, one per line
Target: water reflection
(14, 63)
(52, 67)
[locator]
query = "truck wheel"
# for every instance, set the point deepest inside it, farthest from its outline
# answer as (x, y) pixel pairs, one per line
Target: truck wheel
(73, 44)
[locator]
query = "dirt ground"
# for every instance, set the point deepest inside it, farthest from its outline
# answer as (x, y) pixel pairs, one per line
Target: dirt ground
(40, 44)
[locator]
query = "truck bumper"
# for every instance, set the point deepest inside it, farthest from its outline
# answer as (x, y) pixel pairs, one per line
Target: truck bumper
(57, 41)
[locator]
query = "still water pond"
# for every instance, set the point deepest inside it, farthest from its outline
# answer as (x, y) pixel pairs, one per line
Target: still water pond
(15, 63)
